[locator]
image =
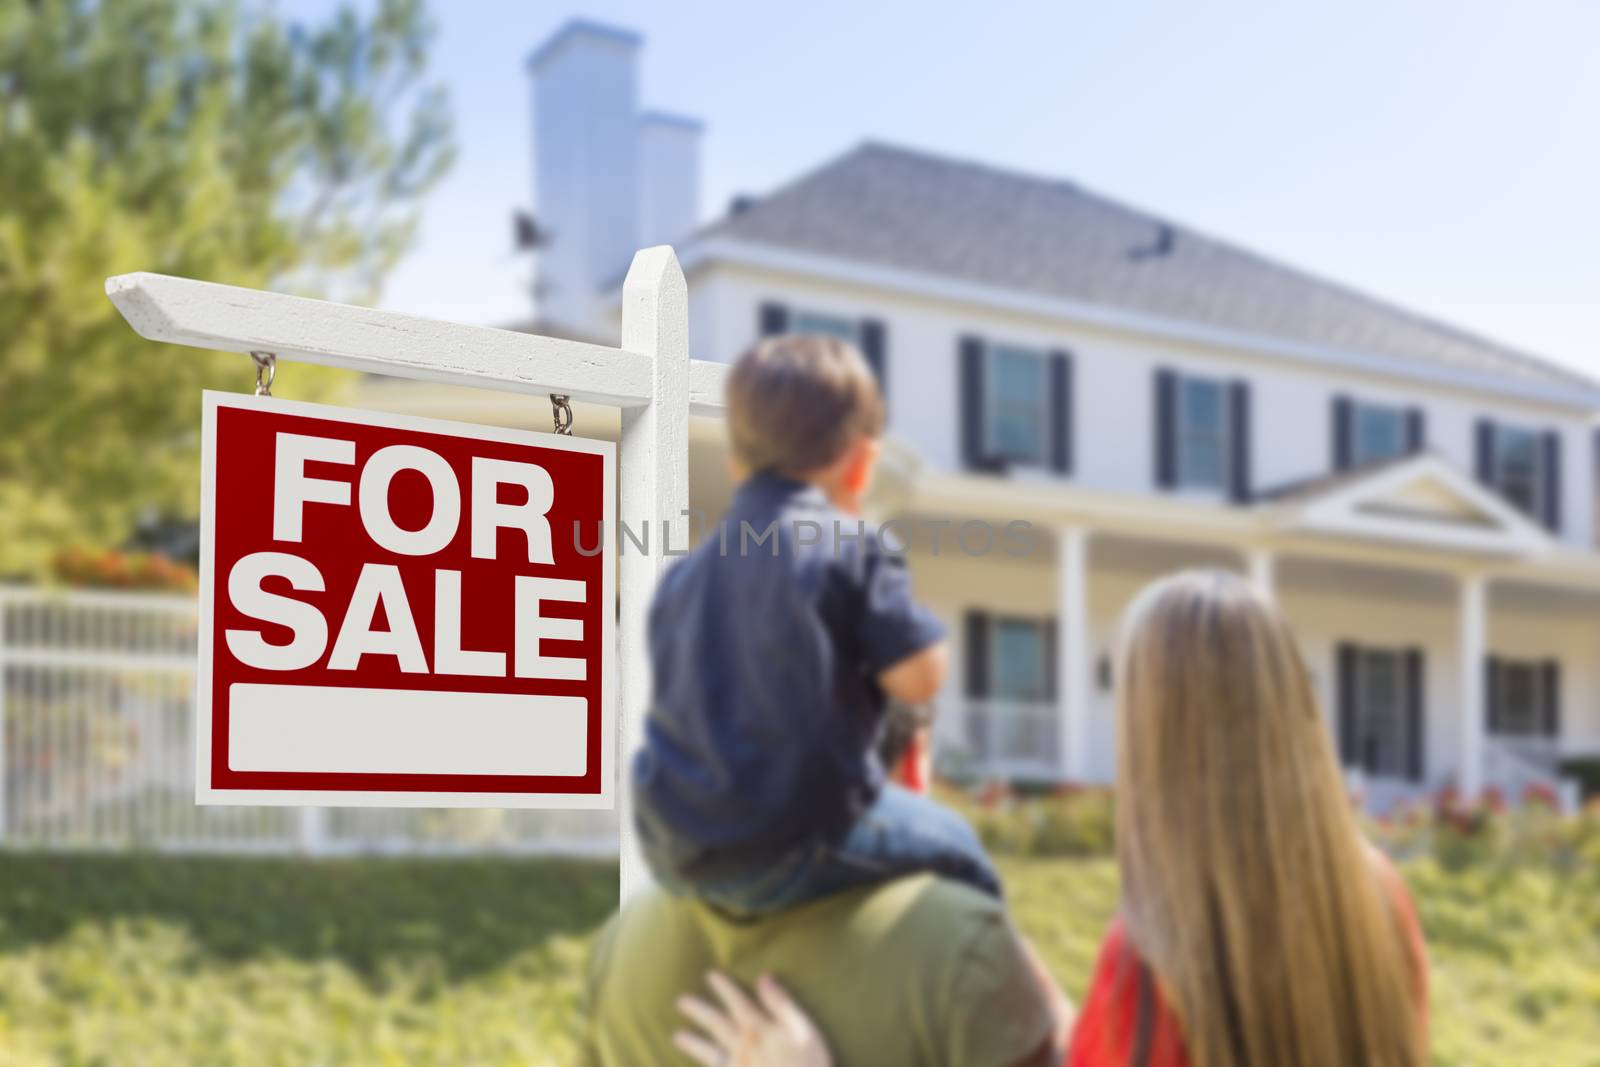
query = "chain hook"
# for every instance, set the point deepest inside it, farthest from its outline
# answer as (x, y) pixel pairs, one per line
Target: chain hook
(561, 413)
(266, 371)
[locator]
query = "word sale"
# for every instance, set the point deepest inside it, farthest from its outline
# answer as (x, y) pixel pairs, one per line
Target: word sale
(379, 584)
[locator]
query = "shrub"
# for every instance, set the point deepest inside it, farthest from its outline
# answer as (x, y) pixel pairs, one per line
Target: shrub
(122, 570)
(1065, 821)
(1076, 824)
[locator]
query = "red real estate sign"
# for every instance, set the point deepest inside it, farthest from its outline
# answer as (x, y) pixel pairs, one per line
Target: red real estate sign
(402, 611)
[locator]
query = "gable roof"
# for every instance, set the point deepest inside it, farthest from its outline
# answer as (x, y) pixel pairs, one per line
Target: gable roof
(894, 207)
(1422, 500)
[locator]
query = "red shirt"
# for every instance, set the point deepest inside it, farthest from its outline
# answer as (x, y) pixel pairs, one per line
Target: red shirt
(1126, 1022)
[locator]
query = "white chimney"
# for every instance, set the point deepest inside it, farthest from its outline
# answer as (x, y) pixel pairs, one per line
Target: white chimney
(669, 177)
(585, 167)
(607, 179)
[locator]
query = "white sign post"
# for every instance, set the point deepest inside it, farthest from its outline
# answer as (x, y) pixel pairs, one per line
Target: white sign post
(649, 377)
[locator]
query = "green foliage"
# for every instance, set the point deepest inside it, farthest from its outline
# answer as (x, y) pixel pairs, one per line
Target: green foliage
(1074, 822)
(205, 138)
(1514, 951)
(249, 963)
(283, 962)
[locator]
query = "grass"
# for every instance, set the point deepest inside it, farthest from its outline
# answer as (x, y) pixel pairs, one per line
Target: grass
(256, 962)
(264, 962)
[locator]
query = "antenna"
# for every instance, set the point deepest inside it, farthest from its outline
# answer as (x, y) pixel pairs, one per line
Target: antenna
(1166, 237)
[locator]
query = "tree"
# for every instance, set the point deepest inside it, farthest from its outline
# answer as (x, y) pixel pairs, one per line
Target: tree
(206, 138)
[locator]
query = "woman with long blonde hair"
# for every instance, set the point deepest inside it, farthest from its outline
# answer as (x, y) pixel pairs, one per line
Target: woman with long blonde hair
(1257, 928)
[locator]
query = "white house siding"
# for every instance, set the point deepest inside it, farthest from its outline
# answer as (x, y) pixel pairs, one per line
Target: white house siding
(1113, 405)
(1113, 435)
(1291, 411)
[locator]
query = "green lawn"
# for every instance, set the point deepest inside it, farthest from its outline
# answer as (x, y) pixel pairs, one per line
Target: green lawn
(111, 961)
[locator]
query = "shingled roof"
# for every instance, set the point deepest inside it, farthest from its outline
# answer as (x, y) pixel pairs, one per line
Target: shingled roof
(893, 207)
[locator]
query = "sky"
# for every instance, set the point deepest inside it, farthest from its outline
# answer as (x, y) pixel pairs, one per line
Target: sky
(1442, 154)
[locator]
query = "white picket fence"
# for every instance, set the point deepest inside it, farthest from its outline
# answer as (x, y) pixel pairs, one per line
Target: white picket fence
(97, 750)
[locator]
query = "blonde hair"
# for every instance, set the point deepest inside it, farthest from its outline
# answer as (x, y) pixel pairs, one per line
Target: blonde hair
(795, 404)
(1247, 888)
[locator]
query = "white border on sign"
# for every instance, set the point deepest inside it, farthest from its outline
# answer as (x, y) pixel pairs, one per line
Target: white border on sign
(205, 794)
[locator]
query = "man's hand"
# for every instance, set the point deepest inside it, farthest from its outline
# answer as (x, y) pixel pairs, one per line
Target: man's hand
(742, 1033)
(917, 678)
(1061, 1008)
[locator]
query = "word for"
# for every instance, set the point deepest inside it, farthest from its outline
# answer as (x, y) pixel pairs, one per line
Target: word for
(379, 585)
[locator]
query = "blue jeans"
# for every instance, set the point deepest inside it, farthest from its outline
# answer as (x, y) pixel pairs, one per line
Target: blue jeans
(902, 833)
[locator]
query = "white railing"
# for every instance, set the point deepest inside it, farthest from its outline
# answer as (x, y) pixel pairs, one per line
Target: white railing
(1511, 767)
(97, 749)
(1010, 739)
(1514, 766)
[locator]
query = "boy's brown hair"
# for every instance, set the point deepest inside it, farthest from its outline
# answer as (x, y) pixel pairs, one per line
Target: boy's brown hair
(796, 403)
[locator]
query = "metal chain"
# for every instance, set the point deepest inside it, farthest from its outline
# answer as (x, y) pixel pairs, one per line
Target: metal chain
(266, 371)
(561, 413)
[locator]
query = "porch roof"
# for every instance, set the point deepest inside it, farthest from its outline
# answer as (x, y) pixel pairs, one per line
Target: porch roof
(1417, 511)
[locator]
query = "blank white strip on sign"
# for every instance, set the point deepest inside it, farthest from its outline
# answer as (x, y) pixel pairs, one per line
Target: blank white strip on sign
(332, 729)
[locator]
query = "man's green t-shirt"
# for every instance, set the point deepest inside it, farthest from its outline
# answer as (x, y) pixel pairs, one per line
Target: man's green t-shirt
(919, 971)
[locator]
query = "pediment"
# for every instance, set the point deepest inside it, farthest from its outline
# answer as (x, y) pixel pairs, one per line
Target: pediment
(1423, 500)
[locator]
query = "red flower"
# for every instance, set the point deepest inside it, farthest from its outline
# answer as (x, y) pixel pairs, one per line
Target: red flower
(117, 570)
(1446, 800)
(1541, 793)
(993, 795)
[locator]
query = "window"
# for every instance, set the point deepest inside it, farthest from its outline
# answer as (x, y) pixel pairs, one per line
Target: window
(1012, 727)
(1382, 744)
(1018, 660)
(1202, 433)
(1018, 396)
(828, 325)
(1378, 432)
(1517, 706)
(1517, 468)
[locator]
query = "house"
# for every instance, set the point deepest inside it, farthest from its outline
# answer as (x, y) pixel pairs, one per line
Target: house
(1124, 396)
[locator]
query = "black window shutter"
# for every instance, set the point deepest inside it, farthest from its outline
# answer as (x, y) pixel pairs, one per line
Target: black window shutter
(1166, 412)
(1415, 733)
(973, 405)
(1050, 668)
(1485, 449)
(1061, 411)
(1491, 695)
(1349, 747)
(1550, 683)
(1416, 430)
(1552, 481)
(1344, 414)
(976, 630)
(874, 346)
(1239, 481)
(774, 319)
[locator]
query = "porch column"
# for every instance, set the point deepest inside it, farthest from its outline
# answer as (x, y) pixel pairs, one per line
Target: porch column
(1470, 646)
(1072, 656)
(1262, 563)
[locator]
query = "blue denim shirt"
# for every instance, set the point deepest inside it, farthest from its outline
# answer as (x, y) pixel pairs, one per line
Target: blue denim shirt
(766, 650)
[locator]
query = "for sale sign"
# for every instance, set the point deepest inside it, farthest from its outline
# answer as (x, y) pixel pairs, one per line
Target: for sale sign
(402, 611)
